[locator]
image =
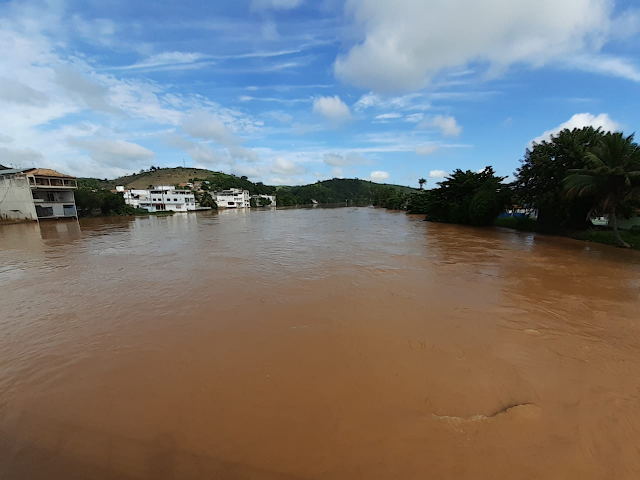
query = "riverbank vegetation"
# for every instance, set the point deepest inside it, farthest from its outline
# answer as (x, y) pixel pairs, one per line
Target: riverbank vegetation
(568, 179)
(561, 184)
(94, 201)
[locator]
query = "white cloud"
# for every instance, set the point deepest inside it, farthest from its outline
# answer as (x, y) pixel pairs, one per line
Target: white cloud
(239, 152)
(379, 176)
(367, 100)
(332, 108)
(414, 118)
(280, 116)
(446, 123)
(114, 153)
(580, 120)
(337, 172)
(5, 138)
(284, 166)
(407, 42)
(605, 65)
(384, 116)
(19, 156)
(426, 149)
(165, 60)
(17, 92)
(412, 101)
(204, 125)
(275, 4)
(203, 154)
(337, 160)
(92, 94)
(437, 174)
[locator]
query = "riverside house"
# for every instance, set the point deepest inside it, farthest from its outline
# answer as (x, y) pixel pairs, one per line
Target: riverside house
(160, 199)
(36, 193)
(233, 198)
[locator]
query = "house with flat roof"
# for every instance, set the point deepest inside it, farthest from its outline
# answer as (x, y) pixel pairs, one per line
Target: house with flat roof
(36, 193)
(232, 198)
(264, 200)
(159, 199)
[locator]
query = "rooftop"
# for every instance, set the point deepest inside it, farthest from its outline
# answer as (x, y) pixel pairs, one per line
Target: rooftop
(41, 172)
(46, 172)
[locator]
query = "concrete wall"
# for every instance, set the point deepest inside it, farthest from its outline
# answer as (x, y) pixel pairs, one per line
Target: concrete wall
(16, 202)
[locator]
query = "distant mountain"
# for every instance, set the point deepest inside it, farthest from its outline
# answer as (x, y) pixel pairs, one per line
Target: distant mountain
(336, 190)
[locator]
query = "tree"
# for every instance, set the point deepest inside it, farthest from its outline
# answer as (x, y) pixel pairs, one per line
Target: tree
(418, 202)
(611, 177)
(422, 181)
(205, 199)
(87, 200)
(539, 180)
(468, 198)
(112, 203)
(253, 203)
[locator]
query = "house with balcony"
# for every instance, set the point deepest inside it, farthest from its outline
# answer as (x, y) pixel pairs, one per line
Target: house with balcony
(160, 199)
(36, 193)
(232, 198)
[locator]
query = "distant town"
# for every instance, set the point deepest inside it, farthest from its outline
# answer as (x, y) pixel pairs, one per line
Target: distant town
(39, 193)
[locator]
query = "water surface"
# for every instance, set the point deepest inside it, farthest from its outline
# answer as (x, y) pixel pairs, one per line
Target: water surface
(314, 344)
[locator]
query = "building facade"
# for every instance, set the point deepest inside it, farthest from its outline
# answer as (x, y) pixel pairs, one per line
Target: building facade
(36, 193)
(263, 197)
(233, 198)
(160, 199)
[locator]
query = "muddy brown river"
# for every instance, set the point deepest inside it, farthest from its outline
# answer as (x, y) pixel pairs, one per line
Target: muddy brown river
(346, 343)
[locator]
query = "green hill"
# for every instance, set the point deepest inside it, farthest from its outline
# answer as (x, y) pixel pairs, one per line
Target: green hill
(336, 190)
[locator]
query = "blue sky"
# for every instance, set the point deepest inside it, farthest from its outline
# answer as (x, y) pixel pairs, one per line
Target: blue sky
(295, 91)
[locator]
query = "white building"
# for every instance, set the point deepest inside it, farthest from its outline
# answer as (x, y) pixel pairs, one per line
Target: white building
(161, 198)
(36, 193)
(233, 198)
(271, 198)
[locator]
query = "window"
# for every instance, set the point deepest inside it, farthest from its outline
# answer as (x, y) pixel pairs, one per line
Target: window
(175, 199)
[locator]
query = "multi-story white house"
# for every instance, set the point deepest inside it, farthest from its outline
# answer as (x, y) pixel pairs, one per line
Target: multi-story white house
(161, 198)
(271, 198)
(36, 193)
(232, 198)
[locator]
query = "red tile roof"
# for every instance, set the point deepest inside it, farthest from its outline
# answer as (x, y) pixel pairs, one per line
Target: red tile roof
(46, 172)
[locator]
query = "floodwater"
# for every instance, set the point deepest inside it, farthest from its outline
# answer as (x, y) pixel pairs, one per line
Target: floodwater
(347, 343)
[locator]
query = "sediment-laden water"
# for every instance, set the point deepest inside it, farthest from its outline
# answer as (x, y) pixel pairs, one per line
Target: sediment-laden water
(348, 343)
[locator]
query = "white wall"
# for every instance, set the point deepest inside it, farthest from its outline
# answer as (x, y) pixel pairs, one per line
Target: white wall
(239, 198)
(172, 199)
(16, 202)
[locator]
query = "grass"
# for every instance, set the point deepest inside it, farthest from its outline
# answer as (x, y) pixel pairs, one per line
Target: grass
(607, 237)
(517, 223)
(603, 236)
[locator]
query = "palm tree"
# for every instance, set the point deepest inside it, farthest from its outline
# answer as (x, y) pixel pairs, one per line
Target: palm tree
(422, 181)
(611, 176)
(206, 200)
